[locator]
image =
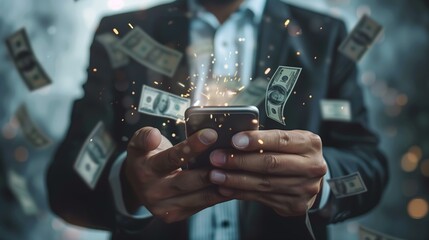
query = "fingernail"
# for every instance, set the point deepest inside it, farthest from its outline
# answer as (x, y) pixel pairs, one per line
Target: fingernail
(207, 136)
(226, 192)
(240, 140)
(217, 158)
(217, 176)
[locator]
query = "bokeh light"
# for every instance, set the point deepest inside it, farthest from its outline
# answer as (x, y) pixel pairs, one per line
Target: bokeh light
(418, 208)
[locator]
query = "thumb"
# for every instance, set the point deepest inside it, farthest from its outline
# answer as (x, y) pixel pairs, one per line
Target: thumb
(145, 139)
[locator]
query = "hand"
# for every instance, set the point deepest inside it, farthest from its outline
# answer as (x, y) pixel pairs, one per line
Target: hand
(281, 169)
(157, 182)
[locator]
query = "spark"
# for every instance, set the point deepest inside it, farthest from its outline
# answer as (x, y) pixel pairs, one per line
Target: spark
(255, 121)
(261, 151)
(287, 22)
(133, 93)
(130, 25)
(181, 84)
(232, 155)
(163, 124)
(156, 82)
(182, 159)
(94, 69)
(311, 96)
(260, 141)
(211, 116)
(220, 125)
(241, 88)
(298, 53)
(115, 31)
(268, 70)
(173, 135)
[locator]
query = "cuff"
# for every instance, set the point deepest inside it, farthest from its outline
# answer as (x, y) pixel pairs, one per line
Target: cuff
(326, 190)
(115, 184)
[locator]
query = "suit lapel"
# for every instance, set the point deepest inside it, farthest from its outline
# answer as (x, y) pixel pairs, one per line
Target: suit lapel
(272, 45)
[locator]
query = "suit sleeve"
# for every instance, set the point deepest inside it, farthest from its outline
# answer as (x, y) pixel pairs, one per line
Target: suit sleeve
(351, 147)
(69, 196)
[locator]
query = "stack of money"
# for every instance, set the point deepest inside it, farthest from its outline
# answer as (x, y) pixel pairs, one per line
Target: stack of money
(148, 52)
(23, 56)
(94, 154)
(279, 90)
(360, 39)
(162, 104)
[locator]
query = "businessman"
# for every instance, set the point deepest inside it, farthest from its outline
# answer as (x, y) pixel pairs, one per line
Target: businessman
(145, 192)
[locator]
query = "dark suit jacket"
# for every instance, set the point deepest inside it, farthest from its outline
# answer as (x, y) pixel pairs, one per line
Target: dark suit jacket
(348, 146)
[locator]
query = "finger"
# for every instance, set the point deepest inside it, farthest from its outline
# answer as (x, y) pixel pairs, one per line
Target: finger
(179, 208)
(296, 141)
(269, 163)
(145, 139)
(179, 155)
(184, 182)
(294, 186)
(284, 205)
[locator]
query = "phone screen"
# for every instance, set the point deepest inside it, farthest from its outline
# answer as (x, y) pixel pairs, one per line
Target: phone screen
(226, 121)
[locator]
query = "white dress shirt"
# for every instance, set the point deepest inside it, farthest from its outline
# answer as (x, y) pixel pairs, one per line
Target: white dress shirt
(221, 59)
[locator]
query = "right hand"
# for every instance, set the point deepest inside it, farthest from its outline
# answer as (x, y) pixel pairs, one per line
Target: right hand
(157, 182)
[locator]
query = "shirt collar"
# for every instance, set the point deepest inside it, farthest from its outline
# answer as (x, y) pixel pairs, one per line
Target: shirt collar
(255, 6)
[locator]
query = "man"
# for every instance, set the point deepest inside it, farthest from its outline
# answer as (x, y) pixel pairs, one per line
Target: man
(276, 176)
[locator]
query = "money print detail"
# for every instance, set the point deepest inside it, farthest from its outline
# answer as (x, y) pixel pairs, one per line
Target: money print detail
(279, 90)
(25, 61)
(162, 104)
(94, 154)
(31, 132)
(360, 39)
(336, 110)
(347, 185)
(19, 188)
(252, 95)
(148, 52)
(369, 234)
(116, 56)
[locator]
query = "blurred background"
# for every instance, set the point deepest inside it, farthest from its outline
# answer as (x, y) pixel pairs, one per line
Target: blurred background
(394, 74)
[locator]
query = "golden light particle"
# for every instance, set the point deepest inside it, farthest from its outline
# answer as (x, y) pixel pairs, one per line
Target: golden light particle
(298, 53)
(94, 69)
(268, 70)
(260, 141)
(409, 162)
(417, 208)
(130, 25)
(424, 168)
(255, 121)
(261, 151)
(115, 31)
(173, 135)
(287, 22)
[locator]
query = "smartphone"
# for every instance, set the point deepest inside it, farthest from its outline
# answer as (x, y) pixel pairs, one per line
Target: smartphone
(226, 121)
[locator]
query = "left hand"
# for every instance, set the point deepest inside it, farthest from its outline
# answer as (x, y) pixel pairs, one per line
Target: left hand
(278, 168)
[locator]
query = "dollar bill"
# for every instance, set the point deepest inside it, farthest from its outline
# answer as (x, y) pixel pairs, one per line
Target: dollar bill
(25, 61)
(369, 234)
(162, 104)
(148, 52)
(31, 132)
(348, 185)
(336, 110)
(279, 90)
(116, 56)
(94, 154)
(252, 95)
(19, 188)
(360, 39)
